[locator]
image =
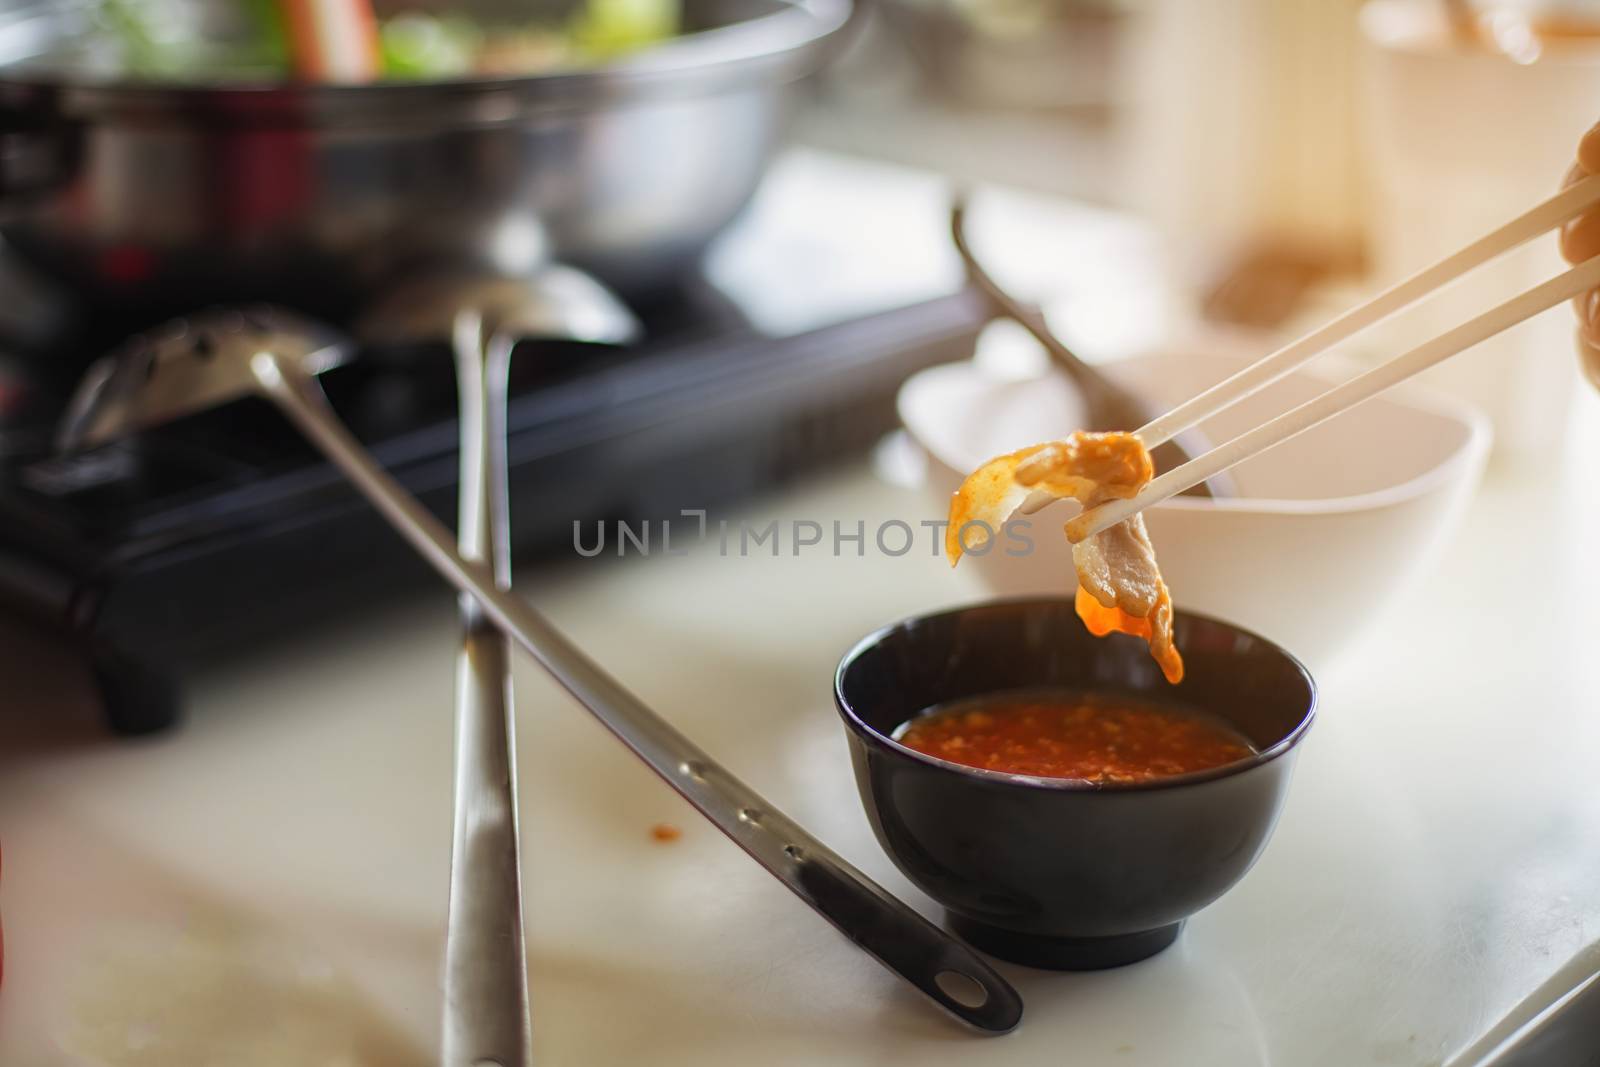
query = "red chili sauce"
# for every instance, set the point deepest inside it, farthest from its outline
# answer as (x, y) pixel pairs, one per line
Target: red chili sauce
(1096, 737)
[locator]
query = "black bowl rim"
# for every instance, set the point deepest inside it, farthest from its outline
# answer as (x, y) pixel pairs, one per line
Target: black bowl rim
(1068, 785)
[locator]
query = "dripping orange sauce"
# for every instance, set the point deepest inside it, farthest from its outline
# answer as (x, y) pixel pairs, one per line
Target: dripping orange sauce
(1096, 737)
(1101, 620)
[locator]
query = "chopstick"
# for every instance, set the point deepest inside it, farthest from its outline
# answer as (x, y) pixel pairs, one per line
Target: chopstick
(1259, 375)
(1519, 231)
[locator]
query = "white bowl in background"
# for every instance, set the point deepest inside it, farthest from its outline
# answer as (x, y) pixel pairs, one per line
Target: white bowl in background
(1326, 529)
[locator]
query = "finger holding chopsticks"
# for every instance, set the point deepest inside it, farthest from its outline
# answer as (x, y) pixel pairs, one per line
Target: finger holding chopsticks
(1580, 240)
(1566, 286)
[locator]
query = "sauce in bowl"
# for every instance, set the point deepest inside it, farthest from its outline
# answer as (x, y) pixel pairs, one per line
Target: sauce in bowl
(1095, 737)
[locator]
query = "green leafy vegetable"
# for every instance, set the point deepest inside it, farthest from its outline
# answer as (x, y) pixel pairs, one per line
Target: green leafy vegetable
(148, 39)
(604, 28)
(428, 46)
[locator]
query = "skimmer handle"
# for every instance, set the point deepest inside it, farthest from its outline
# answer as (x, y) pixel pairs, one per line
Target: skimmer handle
(902, 940)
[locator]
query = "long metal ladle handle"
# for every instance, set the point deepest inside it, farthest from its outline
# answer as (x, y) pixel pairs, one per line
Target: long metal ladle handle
(863, 911)
(486, 1015)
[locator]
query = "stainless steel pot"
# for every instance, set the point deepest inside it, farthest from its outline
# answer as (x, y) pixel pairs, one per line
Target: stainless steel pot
(164, 196)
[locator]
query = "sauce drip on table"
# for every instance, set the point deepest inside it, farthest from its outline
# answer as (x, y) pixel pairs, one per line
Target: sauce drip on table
(1096, 737)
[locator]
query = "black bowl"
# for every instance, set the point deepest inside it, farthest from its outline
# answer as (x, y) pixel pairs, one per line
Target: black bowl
(1058, 873)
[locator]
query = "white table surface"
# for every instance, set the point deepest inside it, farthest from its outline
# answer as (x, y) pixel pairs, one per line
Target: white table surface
(267, 884)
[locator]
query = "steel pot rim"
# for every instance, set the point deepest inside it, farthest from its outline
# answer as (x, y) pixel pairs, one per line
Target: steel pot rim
(786, 43)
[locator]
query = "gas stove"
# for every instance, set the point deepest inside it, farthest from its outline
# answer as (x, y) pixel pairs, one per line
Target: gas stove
(156, 553)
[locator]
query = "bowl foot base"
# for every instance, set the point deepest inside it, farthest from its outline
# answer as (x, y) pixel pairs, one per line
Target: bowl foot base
(1063, 953)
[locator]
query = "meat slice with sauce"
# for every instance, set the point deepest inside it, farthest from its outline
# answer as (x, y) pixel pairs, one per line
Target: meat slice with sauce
(1120, 588)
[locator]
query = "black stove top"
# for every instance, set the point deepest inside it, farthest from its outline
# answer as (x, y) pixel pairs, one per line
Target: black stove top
(156, 552)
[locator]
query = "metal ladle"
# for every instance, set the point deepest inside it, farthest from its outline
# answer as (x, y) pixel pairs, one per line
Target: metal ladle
(199, 363)
(486, 1012)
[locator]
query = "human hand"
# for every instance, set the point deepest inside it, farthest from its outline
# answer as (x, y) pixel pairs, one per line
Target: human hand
(1580, 240)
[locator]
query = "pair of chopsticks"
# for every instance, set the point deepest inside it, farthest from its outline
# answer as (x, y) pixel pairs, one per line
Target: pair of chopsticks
(1546, 216)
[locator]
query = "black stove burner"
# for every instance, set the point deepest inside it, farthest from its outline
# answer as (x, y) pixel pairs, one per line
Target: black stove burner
(170, 547)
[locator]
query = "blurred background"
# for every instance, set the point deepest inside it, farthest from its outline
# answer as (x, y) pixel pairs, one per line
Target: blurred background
(764, 186)
(765, 189)
(1288, 154)
(754, 198)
